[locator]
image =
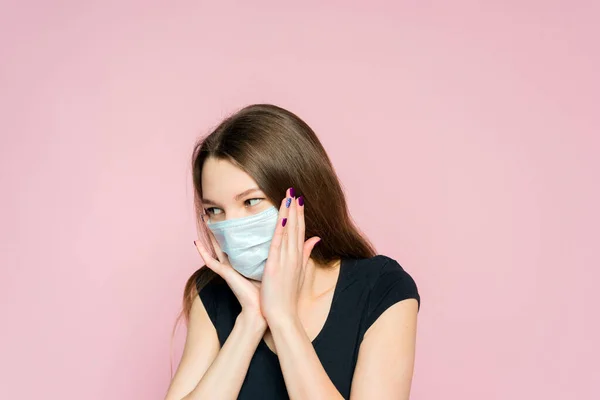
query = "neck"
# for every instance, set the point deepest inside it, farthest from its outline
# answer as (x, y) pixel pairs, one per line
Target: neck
(318, 279)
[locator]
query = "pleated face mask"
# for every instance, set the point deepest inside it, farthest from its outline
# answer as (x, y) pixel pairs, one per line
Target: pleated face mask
(246, 241)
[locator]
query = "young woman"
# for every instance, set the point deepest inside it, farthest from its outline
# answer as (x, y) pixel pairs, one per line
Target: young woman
(293, 301)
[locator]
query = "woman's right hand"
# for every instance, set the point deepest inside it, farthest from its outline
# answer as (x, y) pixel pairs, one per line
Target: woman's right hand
(246, 291)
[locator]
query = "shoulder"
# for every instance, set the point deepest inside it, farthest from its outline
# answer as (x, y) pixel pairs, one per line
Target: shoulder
(392, 273)
(388, 283)
(382, 272)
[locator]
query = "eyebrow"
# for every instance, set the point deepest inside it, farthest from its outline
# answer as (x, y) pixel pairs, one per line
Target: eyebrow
(237, 197)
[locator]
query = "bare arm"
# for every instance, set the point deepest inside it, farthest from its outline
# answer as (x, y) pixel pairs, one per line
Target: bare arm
(386, 356)
(205, 371)
(304, 375)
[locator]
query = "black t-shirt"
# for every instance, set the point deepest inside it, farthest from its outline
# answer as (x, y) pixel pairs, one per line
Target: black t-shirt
(364, 290)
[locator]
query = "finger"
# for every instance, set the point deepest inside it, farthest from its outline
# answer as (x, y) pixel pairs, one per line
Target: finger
(217, 249)
(274, 249)
(308, 248)
(220, 255)
(210, 262)
(290, 243)
(301, 224)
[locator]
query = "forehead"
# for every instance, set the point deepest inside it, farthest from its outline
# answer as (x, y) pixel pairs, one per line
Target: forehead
(221, 179)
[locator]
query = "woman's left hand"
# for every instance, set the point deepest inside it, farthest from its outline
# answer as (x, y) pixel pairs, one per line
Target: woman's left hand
(288, 256)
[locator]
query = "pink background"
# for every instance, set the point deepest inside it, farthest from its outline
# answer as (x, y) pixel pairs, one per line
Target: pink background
(466, 135)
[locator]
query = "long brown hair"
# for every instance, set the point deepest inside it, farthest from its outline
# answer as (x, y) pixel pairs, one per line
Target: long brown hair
(279, 150)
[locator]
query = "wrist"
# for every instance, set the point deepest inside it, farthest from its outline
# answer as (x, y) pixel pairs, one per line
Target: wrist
(283, 321)
(252, 322)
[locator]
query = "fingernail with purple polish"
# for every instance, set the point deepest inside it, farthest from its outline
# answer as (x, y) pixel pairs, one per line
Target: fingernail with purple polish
(301, 200)
(288, 201)
(283, 221)
(292, 192)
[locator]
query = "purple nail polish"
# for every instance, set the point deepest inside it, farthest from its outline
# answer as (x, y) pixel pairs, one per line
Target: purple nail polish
(301, 200)
(292, 192)
(288, 201)
(283, 221)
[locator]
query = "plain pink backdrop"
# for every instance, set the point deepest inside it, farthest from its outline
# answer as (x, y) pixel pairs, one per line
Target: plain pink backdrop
(466, 135)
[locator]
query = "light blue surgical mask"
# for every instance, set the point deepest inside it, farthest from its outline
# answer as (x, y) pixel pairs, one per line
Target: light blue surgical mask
(246, 241)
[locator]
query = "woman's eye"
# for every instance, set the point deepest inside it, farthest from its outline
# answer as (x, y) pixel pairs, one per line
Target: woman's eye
(253, 202)
(213, 211)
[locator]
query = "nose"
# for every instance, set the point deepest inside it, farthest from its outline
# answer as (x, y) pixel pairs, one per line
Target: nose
(235, 213)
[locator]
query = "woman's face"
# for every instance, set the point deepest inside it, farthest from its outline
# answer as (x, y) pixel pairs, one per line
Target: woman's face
(229, 193)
